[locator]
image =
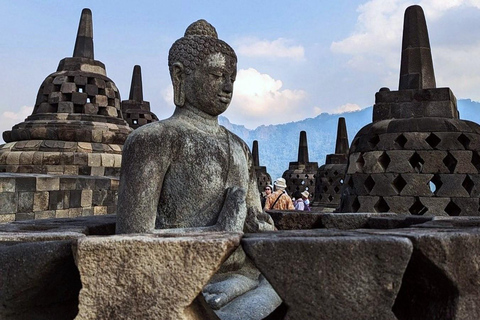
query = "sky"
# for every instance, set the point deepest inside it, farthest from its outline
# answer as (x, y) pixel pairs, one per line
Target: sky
(296, 59)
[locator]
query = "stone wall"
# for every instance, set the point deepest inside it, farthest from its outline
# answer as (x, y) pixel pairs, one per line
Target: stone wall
(40, 196)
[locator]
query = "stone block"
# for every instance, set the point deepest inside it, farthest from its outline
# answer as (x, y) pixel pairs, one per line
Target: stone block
(25, 183)
(75, 198)
(435, 205)
(80, 159)
(349, 221)
(7, 217)
(55, 200)
(98, 171)
(8, 202)
(91, 89)
(80, 80)
(108, 160)
(86, 198)
(38, 276)
(442, 278)
(98, 210)
(98, 82)
(433, 161)
(40, 201)
(452, 186)
(58, 80)
(51, 158)
(68, 87)
(79, 98)
(65, 107)
(22, 216)
(101, 101)
(463, 161)
(48, 183)
(25, 202)
(7, 184)
(319, 282)
(295, 220)
(27, 157)
(55, 97)
(149, 289)
(13, 157)
(108, 111)
(75, 212)
(90, 108)
(44, 214)
(70, 170)
(94, 159)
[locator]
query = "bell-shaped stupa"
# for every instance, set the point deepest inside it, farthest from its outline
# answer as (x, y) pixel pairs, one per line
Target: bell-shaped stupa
(417, 157)
(263, 178)
(330, 176)
(135, 110)
(77, 125)
(300, 175)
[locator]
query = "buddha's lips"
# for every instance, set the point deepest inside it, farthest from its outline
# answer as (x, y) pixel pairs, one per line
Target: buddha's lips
(224, 99)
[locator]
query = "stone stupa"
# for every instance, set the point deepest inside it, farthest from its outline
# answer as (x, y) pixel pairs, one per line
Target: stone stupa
(417, 157)
(76, 126)
(263, 178)
(136, 111)
(330, 176)
(300, 175)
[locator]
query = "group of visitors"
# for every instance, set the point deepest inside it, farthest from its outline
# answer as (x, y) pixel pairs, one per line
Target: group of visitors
(276, 197)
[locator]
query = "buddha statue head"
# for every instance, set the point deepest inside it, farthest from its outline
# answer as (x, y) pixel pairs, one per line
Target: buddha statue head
(203, 69)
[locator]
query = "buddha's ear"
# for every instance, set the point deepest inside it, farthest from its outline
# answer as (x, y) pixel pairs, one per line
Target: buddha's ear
(178, 80)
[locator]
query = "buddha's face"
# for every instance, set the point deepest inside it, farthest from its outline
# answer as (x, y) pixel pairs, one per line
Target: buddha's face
(209, 87)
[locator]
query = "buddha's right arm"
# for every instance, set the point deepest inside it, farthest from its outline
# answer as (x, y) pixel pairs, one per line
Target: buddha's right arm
(141, 179)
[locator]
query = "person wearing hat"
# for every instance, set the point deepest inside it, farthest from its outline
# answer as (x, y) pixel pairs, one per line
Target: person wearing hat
(306, 203)
(279, 200)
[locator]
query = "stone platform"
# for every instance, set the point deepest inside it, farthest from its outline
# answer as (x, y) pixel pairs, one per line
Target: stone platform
(401, 267)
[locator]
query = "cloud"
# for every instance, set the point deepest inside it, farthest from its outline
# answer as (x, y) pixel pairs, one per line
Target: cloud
(349, 107)
(259, 99)
(374, 46)
(10, 118)
(280, 48)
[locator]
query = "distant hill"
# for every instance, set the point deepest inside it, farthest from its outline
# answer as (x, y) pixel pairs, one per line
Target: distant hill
(278, 144)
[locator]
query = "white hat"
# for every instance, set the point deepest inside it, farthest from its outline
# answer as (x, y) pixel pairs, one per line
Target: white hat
(280, 183)
(305, 194)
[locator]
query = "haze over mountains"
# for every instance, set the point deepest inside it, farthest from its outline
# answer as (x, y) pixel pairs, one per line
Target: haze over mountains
(278, 144)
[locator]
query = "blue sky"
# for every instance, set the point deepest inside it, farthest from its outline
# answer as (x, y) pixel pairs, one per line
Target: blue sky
(296, 58)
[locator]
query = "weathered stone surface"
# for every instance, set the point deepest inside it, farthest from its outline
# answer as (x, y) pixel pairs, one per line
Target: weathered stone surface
(320, 285)
(442, 279)
(293, 220)
(38, 277)
(130, 277)
(348, 221)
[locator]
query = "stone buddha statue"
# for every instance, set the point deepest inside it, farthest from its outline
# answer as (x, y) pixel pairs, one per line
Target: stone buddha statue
(191, 173)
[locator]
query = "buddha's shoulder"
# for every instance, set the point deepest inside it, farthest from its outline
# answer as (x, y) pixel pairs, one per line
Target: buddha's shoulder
(163, 130)
(238, 141)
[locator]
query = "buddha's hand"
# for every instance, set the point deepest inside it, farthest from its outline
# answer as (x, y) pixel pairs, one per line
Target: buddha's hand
(234, 210)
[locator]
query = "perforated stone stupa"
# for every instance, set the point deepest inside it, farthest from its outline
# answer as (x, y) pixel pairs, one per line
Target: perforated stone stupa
(417, 157)
(136, 111)
(76, 126)
(300, 175)
(330, 176)
(263, 178)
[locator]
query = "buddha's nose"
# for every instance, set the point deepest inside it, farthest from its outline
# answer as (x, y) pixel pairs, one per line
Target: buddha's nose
(228, 85)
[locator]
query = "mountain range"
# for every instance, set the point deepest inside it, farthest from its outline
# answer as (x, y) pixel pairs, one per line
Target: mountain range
(278, 144)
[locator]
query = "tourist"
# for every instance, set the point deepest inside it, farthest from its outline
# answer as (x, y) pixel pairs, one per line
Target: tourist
(279, 200)
(266, 192)
(298, 203)
(306, 202)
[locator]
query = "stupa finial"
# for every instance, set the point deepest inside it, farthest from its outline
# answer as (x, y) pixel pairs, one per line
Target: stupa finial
(256, 160)
(136, 88)
(341, 146)
(84, 41)
(303, 148)
(416, 68)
